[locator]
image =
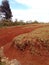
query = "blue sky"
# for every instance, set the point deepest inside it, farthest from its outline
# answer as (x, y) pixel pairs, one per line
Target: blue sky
(30, 10)
(16, 5)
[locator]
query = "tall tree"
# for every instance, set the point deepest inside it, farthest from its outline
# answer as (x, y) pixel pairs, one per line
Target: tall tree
(6, 9)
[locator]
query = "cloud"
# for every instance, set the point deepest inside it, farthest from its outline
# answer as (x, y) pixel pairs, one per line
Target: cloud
(30, 15)
(39, 10)
(35, 3)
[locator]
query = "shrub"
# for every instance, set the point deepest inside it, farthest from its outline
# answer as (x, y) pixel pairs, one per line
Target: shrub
(34, 45)
(35, 22)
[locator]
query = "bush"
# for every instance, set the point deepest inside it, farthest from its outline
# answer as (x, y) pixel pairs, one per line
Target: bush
(34, 45)
(35, 22)
(6, 23)
(11, 23)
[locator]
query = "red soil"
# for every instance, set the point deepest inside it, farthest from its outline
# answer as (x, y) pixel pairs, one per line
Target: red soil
(25, 58)
(7, 34)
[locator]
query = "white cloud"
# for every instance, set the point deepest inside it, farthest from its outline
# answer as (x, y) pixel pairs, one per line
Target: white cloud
(35, 3)
(39, 10)
(30, 15)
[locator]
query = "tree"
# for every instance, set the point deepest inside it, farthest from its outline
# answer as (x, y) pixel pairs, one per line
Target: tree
(6, 9)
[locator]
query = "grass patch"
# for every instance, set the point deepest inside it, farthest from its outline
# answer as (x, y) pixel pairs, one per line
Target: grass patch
(37, 41)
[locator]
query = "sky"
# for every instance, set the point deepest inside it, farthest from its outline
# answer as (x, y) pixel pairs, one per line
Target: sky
(30, 10)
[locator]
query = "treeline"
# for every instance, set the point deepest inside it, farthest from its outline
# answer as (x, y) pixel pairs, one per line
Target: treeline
(16, 22)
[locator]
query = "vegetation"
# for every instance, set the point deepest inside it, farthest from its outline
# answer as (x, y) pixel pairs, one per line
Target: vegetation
(35, 45)
(36, 42)
(7, 22)
(2, 63)
(5, 9)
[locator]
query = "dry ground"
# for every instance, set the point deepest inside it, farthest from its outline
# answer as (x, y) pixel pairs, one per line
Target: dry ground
(34, 53)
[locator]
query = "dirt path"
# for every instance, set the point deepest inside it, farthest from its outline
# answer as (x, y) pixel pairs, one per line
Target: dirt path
(7, 34)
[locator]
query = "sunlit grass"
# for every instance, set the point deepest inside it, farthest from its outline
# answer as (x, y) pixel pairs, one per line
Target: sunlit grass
(42, 33)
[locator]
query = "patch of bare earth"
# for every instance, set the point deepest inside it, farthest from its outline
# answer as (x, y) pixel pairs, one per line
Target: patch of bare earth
(30, 48)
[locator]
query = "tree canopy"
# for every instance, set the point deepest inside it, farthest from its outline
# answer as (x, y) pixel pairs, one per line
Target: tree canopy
(5, 8)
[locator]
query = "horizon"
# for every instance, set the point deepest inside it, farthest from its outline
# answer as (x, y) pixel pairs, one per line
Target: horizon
(30, 10)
